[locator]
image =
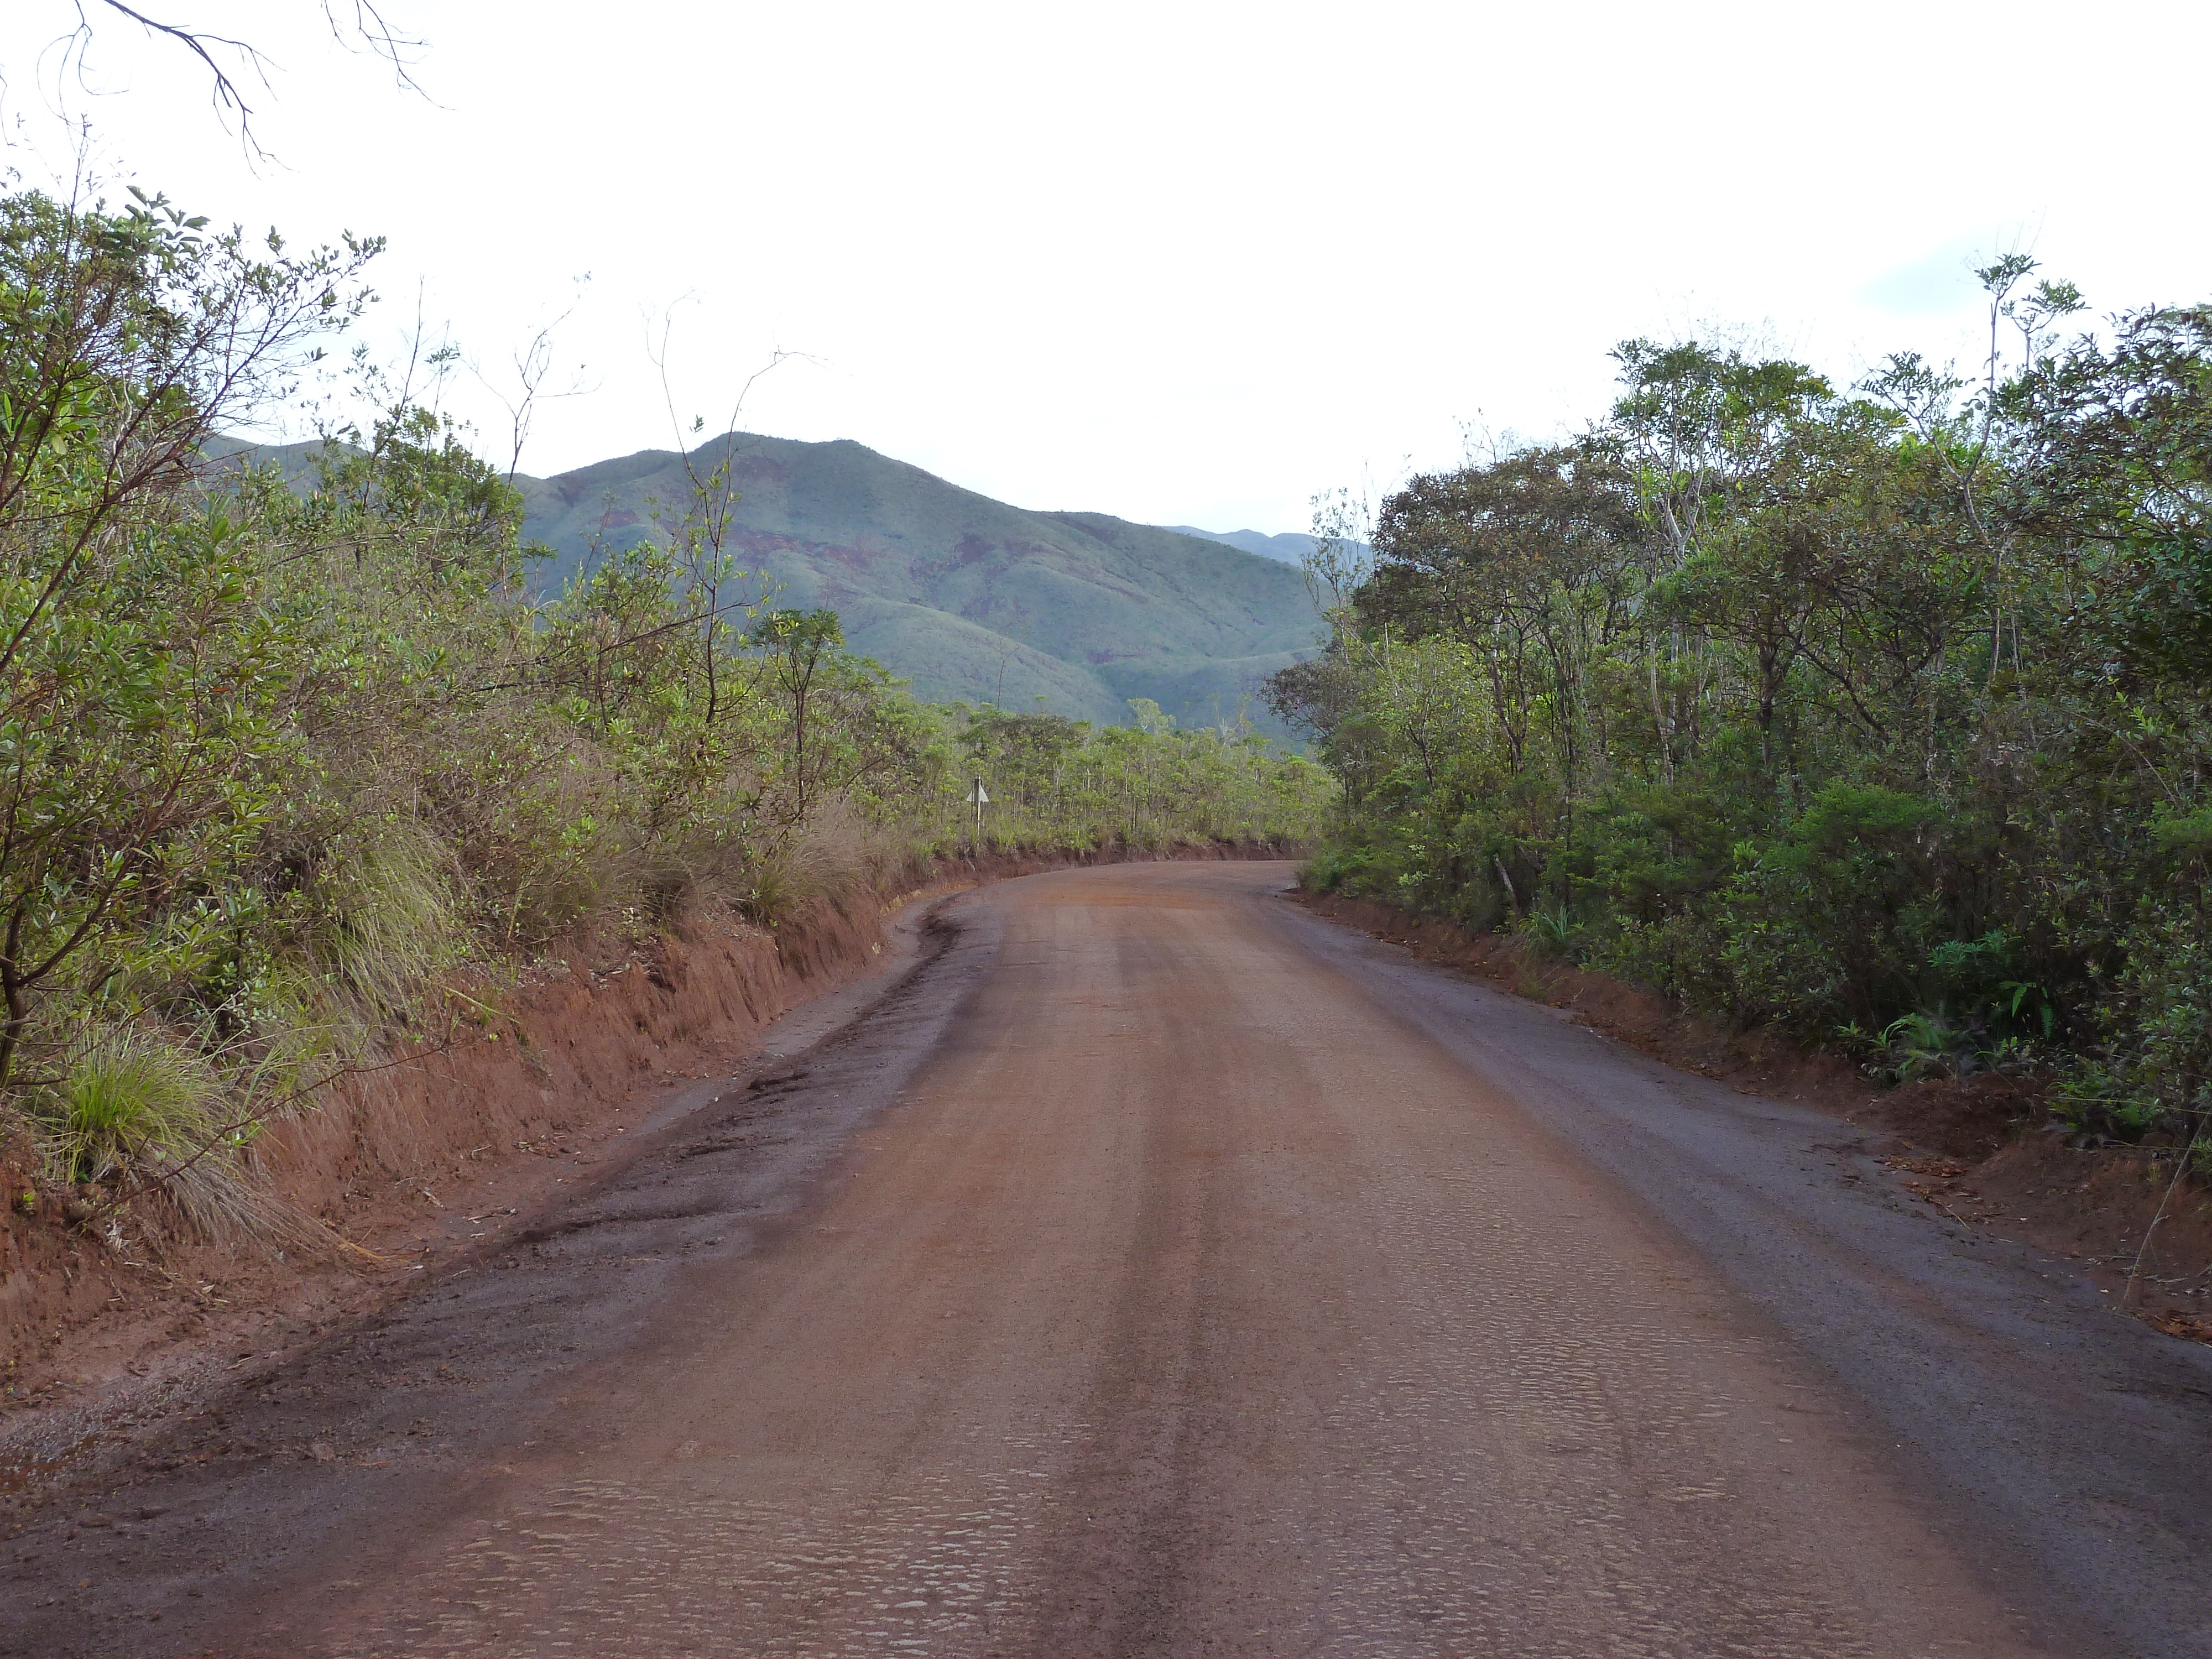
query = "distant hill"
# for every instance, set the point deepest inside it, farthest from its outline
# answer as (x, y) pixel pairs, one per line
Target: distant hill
(1289, 549)
(966, 597)
(962, 596)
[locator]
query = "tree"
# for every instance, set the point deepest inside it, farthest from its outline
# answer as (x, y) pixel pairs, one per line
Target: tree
(134, 671)
(1524, 562)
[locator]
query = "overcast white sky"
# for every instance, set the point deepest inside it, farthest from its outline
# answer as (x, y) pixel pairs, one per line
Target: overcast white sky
(1188, 263)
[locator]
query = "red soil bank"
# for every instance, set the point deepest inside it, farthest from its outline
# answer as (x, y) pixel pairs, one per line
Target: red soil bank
(521, 1086)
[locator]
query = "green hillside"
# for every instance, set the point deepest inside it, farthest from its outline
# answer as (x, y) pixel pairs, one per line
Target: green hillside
(966, 597)
(1291, 550)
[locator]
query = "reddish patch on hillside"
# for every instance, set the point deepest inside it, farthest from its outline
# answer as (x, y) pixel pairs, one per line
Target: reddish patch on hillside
(758, 469)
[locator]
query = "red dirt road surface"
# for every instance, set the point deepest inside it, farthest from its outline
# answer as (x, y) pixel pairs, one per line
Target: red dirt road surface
(1160, 1270)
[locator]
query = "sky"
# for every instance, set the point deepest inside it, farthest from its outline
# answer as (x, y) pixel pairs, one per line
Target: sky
(1189, 264)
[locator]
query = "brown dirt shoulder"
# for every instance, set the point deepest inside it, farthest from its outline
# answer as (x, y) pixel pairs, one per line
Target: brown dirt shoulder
(532, 1089)
(1980, 1152)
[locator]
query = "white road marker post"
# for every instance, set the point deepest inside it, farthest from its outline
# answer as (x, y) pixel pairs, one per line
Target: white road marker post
(981, 800)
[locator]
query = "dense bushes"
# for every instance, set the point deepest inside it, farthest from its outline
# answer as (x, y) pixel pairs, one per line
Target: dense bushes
(1060, 783)
(1880, 716)
(287, 764)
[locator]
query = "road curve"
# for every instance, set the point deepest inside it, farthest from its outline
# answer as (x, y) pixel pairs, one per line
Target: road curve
(1164, 1271)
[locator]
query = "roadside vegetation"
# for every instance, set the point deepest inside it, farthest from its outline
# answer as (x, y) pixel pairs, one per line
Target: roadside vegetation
(293, 770)
(1878, 714)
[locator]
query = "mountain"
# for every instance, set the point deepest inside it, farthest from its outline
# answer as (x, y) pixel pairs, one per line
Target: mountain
(962, 596)
(966, 597)
(1289, 549)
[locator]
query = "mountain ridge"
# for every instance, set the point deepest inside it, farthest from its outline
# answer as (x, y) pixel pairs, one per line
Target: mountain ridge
(966, 597)
(1289, 548)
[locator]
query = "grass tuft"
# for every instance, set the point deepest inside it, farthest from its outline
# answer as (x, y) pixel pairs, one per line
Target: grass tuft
(129, 1103)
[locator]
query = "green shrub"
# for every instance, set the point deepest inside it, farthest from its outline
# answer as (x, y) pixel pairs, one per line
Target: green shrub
(287, 754)
(1871, 712)
(129, 1103)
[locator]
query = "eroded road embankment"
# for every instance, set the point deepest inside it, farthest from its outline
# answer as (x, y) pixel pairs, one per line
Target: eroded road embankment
(1164, 1270)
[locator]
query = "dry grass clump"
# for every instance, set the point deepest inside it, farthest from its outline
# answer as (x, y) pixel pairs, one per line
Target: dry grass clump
(147, 1130)
(827, 861)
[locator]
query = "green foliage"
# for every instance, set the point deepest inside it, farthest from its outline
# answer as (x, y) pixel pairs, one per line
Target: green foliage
(1922, 1045)
(1883, 712)
(282, 759)
(1555, 931)
(1844, 815)
(128, 1101)
(1059, 783)
(140, 678)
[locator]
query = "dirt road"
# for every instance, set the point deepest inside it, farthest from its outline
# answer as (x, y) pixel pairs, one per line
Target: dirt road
(1161, 1270)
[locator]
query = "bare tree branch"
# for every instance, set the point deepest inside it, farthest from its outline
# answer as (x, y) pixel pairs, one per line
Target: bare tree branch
(233, 63)
(226, 95)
